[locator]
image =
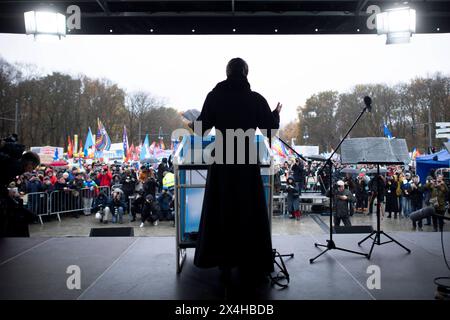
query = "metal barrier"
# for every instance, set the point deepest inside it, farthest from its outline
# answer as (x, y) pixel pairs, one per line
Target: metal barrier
(63, 201)
(37, 203)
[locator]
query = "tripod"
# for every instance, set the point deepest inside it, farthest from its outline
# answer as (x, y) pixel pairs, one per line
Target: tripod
(330, 243)
(377, 233)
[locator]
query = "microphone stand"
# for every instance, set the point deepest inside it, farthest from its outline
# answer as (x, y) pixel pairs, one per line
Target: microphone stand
(330, 243)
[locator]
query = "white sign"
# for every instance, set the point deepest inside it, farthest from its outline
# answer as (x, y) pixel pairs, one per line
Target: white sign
(307, 150)
(443, 131)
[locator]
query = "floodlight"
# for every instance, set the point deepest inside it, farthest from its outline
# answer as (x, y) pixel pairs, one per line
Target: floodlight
(45, 23)
(398, 24)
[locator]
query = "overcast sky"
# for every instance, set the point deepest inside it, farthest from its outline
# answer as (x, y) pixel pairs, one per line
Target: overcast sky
(284, 68)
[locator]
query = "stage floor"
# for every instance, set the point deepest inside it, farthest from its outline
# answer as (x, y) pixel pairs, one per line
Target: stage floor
(145, 268)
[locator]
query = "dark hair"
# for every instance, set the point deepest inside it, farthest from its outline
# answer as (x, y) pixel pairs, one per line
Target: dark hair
(237, 67)
(30, 157)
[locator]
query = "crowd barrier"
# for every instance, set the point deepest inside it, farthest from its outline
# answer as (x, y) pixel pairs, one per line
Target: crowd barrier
(63, 201)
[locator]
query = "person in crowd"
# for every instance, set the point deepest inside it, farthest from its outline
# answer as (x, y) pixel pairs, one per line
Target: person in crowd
(137, 204)
(406, 193)
(150, 211)
(47, 185)
(298, 174)
(164, 201)
(439, 192)
(99, 205)
(391, 197)
(105, 177)
(116, 180)
(416, 197)
(116, 207)
(293, 205)
(360, 193)
(162, 167)
(18, 226)
(89, 192)
(49, 173)
(399, 177)
(151, 185)
(427, 197)
(34, 187)
(350, 183)
(277, 179)
(169, 180)
(128, 183)
(342, 198)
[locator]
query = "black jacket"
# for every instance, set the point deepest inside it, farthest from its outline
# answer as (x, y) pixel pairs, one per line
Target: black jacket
(234, 226)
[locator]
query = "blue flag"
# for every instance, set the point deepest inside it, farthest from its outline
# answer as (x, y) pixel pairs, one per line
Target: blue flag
(145, 153)
(56, 156)
(88, 143)
(387, 132)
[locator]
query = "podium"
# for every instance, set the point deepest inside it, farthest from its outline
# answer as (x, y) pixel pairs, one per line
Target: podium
(190, 170)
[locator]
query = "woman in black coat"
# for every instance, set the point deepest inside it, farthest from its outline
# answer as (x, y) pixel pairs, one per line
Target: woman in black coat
(391, 197)
(234, 226)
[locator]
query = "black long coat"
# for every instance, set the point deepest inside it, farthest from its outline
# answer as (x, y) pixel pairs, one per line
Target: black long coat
(234, 226)
(391, 197)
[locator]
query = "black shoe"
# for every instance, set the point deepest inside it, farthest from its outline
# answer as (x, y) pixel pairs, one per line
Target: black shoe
(133, 220)
(427, 224)
(389, 216)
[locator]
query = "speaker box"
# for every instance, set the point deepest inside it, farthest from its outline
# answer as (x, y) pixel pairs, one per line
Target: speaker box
(353, 229)
(112, 232)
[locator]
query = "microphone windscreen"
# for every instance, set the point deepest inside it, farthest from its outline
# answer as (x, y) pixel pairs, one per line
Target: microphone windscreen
(422, 214)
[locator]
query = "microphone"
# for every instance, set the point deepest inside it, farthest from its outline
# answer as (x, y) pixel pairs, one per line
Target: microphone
(368, 103)
(422, 214)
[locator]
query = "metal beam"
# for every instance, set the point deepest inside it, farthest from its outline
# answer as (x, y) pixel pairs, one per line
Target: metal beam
(104, 6)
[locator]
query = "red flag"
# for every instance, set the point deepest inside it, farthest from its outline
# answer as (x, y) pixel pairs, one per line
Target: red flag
(69, 148)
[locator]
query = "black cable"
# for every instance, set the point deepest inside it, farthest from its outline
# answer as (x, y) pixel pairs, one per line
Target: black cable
(437, 281)
(443, 249)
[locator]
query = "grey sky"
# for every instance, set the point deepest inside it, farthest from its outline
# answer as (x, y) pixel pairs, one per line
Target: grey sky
(285, 68)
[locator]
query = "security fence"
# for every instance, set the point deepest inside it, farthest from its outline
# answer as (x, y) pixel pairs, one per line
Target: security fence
(63, 201)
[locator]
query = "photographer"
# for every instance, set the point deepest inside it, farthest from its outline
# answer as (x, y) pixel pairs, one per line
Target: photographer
(99, 206)
(438, 196)
(342, 200)
(116, 207)
(14, 218)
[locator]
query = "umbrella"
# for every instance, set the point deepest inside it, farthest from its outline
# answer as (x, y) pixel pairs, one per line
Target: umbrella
(317, 158)
(382, 171)
(350, 170)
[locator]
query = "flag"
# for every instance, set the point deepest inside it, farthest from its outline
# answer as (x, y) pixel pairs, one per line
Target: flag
(102, 141)
(151, 149)
(125, 144)
(69, 148)
(387, 132)
(415, 154)
(89, 143)
(161, 144)
(80, 152)
(75, 143)
(279, 148)
(145, 152)
(56, 156)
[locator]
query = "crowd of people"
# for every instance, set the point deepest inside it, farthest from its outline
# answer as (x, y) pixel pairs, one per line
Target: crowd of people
(148, 191)
(107, 191)
(398, 190)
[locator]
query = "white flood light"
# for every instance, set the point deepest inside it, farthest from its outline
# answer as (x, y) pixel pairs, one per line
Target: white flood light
(398, 24)
(45, 23)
